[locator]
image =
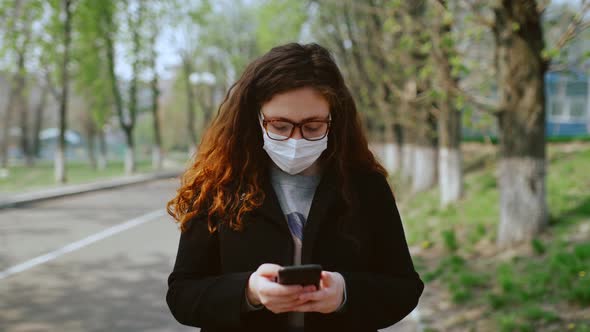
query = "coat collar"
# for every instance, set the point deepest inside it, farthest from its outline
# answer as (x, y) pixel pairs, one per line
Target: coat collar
(325, 196)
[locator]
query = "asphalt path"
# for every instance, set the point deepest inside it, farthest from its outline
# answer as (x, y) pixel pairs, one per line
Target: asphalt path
(97, 261)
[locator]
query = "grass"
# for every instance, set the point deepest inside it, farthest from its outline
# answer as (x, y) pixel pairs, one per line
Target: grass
(542, 285)
(23, 178)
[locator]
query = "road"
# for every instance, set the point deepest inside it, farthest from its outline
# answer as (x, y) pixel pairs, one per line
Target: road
(97, 261)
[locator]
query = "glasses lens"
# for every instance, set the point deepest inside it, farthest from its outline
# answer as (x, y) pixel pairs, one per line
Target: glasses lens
(314, 130)
(279, 129)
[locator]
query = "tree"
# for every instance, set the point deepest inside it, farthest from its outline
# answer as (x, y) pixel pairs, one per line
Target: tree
(58, 31)
(153, 14)
(19, 39)
(521, 70)
(92, 79)
(444, 55)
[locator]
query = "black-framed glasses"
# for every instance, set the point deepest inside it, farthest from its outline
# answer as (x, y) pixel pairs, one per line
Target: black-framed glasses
(282, 129)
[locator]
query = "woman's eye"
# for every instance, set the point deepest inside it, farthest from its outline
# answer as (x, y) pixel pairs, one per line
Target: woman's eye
(313, 126)
(278, 126)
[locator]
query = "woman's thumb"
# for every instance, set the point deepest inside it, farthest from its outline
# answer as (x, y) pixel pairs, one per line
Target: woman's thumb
(269, 269)
(327, 278)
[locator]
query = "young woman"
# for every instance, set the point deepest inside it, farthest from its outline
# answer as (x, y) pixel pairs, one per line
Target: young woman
(284, 176)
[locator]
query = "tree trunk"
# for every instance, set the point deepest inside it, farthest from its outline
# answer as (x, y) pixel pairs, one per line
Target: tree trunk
(450, 159)
(130, 166)
(6, 121)
(14, 27)
(449, 119)
(102, 150)
(117, 99)
(39, 121)
(391, 146)
(23, 109)
(126, 119)
(129, 125)
(90, 134)
(425, 151)
(408, 156)
(60, 161)
(519, 42)
(157, 147)
(450, 175)
(190, 105)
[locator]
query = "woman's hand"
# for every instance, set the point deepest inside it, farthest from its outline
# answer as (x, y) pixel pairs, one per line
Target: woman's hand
(328, 298)
(275, 297)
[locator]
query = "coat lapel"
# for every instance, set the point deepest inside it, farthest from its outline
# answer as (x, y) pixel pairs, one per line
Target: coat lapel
(324, 197)
(271, 207)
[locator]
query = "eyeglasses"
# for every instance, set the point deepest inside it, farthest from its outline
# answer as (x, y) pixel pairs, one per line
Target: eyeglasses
(282, 129)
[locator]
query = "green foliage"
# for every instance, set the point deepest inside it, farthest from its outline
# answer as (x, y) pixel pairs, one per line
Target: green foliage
(582, 251)
(511, 323)
(271, 14)
(581, 328)
(538, 246)
(450, 240)
(91, 77)
(535, 313)
(580, 291)
(461, 282)
(520, 293)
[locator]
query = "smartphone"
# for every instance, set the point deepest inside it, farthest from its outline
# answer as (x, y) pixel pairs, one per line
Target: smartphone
(307, 274)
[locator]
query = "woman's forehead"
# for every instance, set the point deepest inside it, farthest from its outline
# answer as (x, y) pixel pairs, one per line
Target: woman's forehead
(297, 105)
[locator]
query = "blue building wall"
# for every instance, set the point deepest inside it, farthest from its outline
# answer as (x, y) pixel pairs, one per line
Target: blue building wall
(566, 129)
(567, 104)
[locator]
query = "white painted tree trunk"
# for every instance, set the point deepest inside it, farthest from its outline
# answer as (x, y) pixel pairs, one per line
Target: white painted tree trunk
(156, 157)
(59, 165)
(192, 150)
(425, 166)
(523, 209)
(407, 162)
(129, 160)
(450, 179)
(101, 161)
(392, 157)
(102, 151)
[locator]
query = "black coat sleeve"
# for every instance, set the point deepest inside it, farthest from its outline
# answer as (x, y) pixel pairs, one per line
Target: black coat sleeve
(390, 290)
(198, 294)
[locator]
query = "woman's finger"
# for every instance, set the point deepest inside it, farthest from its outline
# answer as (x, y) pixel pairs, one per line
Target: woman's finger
(283, 298)
(277, 305)
(274, 289)
(308, 306)
(314, 296)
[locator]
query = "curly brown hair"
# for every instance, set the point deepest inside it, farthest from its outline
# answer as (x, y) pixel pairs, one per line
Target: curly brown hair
(230, 163)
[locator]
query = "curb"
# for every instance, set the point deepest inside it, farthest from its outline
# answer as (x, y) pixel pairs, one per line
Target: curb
(68, 190)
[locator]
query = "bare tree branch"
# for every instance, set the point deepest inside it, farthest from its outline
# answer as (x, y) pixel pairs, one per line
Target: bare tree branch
(486, 105)
(576, 26)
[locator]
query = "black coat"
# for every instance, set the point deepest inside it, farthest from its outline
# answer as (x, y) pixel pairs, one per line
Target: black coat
(207, 285)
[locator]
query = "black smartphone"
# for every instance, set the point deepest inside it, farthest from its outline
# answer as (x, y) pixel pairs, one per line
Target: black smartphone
(307, 274)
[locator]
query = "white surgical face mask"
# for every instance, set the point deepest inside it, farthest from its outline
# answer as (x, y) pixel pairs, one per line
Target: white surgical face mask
(293, 155)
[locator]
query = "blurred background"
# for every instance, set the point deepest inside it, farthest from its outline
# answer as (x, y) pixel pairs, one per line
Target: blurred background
(480, 111)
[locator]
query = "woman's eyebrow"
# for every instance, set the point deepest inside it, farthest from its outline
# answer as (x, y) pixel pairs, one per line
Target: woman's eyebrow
(305, 119)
